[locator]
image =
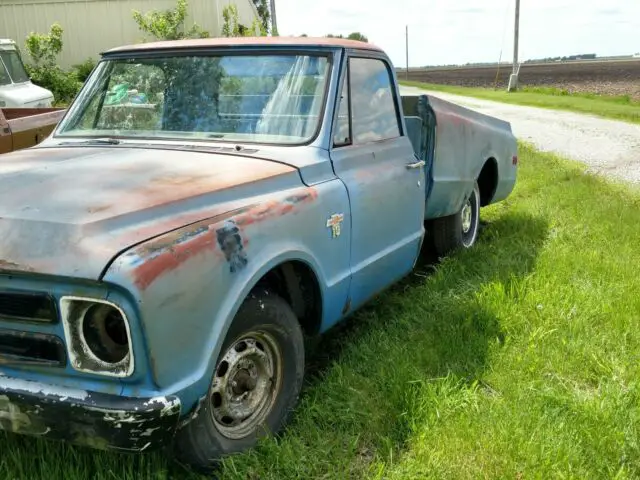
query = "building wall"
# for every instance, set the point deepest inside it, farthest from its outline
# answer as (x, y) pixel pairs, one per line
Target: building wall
(93, 26)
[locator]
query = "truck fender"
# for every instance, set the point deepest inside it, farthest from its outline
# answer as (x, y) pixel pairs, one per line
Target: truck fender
(229, 309)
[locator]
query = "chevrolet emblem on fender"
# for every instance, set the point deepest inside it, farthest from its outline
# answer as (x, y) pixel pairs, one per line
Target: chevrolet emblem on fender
(334, 222)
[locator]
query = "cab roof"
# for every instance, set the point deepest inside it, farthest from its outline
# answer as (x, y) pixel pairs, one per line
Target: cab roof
(246, 42)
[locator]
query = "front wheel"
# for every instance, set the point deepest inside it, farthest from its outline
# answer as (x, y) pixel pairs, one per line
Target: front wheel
(255, 385)
(459, 230)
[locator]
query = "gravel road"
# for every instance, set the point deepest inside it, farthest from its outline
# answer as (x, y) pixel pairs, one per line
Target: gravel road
(608, 147)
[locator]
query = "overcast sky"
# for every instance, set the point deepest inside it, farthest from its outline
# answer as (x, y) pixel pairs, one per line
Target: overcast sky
(460, 31)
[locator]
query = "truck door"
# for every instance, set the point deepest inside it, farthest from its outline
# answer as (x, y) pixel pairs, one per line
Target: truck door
(374, 158)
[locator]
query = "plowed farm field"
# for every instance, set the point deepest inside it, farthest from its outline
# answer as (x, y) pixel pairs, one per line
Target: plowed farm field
(619, 77)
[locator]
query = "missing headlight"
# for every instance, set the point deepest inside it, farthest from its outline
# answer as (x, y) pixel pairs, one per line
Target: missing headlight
(105, 333)
(98, 336)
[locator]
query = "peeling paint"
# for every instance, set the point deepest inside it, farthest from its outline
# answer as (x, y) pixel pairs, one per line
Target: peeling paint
(149, 431)
(195, 413)
(189, 244)
(170, 251)
(72, 310)
(232, 246)
(38, 388)
(94, 419)
(122, 417)
(168, 405)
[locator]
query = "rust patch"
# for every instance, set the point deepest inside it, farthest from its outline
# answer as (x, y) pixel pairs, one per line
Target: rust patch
(172, 250)
(452, 118)
(185, 246)
(6, 265)
(97, 209)
(195, 180)
(275, 208)
(240, 41)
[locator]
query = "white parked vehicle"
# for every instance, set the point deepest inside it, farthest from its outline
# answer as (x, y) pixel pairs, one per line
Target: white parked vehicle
(16, 89)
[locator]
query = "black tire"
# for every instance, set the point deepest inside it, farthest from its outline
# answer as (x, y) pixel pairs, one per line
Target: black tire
(449, 234)
(203, 441)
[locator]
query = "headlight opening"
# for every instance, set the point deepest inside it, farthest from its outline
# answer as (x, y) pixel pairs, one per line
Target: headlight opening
(98, 336)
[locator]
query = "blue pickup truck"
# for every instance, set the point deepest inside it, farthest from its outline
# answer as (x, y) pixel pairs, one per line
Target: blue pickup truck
(201, 208)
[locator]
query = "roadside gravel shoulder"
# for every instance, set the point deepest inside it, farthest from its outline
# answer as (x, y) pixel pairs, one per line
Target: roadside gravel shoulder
(607, 147)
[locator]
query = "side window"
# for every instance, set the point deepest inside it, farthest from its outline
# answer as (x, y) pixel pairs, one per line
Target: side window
(342, 133)
(374, 115)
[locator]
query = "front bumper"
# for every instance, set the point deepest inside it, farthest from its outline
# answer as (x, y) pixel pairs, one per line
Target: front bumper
(93, 419)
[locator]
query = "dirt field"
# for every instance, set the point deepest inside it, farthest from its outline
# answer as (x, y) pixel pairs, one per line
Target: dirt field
(602, 77)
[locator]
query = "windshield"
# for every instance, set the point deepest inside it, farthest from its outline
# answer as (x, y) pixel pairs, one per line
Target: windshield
(250, 98)
(11, 68)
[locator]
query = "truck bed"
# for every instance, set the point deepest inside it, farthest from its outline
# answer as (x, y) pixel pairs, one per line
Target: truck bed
(25, 127)
(456, 143)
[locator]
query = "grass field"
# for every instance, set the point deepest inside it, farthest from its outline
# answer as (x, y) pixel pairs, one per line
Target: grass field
(614, 107)
(605, 77)
(518, 359)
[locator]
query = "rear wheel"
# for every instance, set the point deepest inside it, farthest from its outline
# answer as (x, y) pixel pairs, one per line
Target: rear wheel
(459, 230)
(255, 385)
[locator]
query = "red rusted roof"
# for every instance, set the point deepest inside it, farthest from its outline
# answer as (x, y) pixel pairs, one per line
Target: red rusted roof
(247, 41)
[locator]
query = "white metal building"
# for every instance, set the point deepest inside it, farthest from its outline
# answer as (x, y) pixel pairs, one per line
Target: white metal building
(93, 26)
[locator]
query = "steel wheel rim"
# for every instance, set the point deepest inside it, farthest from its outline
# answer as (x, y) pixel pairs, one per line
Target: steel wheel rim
(246, 384)
(466, 214)
(470, 216)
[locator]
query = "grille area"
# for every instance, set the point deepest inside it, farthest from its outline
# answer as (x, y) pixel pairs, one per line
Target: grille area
(31, 348)
(28, 307)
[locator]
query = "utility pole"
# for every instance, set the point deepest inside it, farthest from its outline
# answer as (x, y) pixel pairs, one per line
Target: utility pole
(513, 80)
(407, 49)
(274, 23)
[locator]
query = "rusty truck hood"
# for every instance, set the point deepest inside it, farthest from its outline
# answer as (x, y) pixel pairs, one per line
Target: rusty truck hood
(69, 211)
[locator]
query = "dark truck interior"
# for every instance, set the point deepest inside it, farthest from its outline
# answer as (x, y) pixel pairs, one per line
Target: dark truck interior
(421, 126)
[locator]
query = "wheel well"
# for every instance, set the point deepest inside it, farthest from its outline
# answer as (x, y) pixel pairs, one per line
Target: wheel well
(488, 181)
(297, 284)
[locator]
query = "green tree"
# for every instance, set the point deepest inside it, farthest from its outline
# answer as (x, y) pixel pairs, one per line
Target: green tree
(233, 28)
(168, 24)
(43, 50)
(358, 36)
(352, 36)
(265, 15)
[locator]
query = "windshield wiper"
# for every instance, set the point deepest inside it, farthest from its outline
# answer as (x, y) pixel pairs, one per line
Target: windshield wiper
(94, 141)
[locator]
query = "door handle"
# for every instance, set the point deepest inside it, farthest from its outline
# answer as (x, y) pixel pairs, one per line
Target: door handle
(418, 164)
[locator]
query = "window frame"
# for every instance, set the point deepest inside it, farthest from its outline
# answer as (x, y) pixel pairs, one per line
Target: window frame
(345, 81)
(81, 101)
(346, 77)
